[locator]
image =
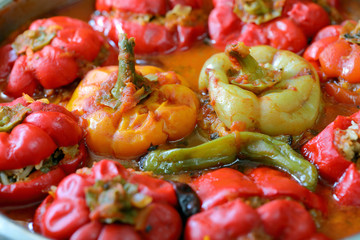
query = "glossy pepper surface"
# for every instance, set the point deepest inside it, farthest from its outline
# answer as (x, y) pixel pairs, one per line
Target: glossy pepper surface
(334, 148)
(52, 53)
(109, 200)
(278, 219)
(335, 53)
(347, 189)
(158, 26)
(223, 185)
(225, 150)
(261, 88)
(283, 24)
(40, 144)
(126, 111)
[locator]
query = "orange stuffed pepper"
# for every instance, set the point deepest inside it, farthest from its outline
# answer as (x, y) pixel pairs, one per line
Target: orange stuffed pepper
(127, 111)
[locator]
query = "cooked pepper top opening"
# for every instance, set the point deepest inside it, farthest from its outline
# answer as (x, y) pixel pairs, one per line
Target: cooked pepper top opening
(179, 15)
(351, 32)
(258, 11)
(115, 200)
(10, 116)
(16, 175)
(34, 39)
(348, 141)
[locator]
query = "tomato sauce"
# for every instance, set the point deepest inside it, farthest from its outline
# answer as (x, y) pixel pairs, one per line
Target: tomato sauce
(342, 221)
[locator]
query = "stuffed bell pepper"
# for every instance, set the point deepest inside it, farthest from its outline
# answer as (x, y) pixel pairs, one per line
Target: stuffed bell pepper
(52, 53)
(127, 110)
(263, 204)
(335, 53)
(283, 24)
(160, 26)
(40, 143)
(260, 88)
(110, 202)
(335, 152)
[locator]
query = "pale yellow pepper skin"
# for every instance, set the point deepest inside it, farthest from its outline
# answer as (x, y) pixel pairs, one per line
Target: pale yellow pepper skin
(290, 106)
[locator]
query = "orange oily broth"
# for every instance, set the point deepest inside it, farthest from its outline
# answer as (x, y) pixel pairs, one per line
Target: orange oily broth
(341, 221)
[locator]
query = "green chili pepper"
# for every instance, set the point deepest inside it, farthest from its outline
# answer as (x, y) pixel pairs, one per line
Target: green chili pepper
(215, 153)
(225, 150)
(269, 151)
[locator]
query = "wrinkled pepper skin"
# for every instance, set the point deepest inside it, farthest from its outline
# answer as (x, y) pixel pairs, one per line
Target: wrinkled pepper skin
(324, 154)
(288, 220)
(42, 128)
(228, 221)
(52, 53)
(287, 28)
(336, 55)
(66, 215)
(167, 111)
(275, 184)
(277, 219)
(223, 185)
(226, 184)
(164, 33)
(288, 101)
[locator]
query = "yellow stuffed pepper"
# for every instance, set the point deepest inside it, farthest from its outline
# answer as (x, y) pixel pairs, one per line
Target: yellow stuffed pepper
(127, 111)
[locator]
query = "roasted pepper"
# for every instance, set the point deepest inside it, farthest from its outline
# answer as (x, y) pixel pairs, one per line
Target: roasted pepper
(335, 147)
(286, 219)
(225, 150)
(226, 184)
(223, 185)
(283, 24)
(158, 26)
(278, 219)
(52, 53)
(108, 200)
(273, 91)
(228, 221)
(40, 144)
(127, 111)
(336, 54)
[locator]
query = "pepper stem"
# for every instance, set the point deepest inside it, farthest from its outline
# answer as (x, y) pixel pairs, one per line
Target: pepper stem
(249, 73)
(126, 65)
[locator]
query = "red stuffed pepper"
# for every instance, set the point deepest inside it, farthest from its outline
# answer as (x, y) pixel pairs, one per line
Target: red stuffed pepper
(283, 24)
(52, 53)
(335, 53)
(40, 144)
(236, 205)
(108, 201)
(158, 26)
(333, 150)
(223, 185)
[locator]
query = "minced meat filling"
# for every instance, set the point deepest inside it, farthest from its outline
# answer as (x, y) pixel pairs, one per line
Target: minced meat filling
(348, 141)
